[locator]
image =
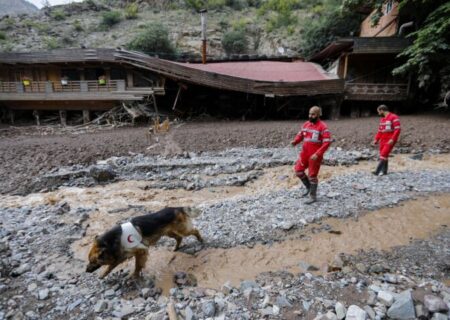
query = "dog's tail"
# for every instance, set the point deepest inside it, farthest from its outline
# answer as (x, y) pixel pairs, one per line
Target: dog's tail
(192, 212)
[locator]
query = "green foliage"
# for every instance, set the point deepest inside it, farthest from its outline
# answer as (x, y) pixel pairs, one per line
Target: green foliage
(431, 47)
(77, 26)
(154, 39)
(280, 13)
(51, 43)
(2, 36)
(235, 42)
(332, 23)
(131, 11)
(110, 18)
(7, 23)
(58, 15)
(428, 57)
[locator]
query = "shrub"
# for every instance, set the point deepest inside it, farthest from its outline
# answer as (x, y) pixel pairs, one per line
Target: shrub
(131, 11)
(235, 42)
(111, 18)
(154, 39)
(51, 43)
(77, 26)
(2, 35)
(58, 15)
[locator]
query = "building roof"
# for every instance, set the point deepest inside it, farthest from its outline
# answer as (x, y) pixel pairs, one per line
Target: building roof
(258, 77)
(362, 45)
(274, 71)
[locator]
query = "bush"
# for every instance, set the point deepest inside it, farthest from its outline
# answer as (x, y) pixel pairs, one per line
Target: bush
(58, 15)
(111, 18)
(235, 42)
(2, 35)
(131, 11)
(154, 39)
(77, 26)
(51, 43)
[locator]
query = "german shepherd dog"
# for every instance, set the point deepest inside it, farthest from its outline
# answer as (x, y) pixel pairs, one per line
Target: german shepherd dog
(134, 238)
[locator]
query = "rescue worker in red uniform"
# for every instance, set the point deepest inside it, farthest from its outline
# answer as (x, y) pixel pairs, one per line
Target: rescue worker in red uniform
(316, 139)
(387, 136)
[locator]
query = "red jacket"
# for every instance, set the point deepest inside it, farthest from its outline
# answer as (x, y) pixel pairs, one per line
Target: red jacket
(389, 128)
(315, 136)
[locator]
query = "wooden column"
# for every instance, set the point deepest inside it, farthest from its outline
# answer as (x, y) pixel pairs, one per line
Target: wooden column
(86, 116)
(37, 117)
(354, 113)
(63, 117)
(11, 116)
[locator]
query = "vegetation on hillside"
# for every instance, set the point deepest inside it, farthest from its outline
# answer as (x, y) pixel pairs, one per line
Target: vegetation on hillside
(153, 40)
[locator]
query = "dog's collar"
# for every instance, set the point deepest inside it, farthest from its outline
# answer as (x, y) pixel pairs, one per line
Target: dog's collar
(130, 237)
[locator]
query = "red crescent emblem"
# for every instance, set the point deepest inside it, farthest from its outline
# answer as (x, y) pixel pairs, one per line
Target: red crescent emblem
(129, 238)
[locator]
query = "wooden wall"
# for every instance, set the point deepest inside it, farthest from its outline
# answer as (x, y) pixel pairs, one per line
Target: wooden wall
(387, 26)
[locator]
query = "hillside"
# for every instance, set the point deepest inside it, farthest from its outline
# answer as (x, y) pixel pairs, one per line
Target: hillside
(13, 7)
(80, 25)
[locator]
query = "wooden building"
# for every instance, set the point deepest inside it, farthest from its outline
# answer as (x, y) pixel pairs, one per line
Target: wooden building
(98, 79)
(366, 63)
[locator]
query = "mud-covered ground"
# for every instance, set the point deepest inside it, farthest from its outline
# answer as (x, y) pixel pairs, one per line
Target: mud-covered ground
(27, 152)
(370, 248)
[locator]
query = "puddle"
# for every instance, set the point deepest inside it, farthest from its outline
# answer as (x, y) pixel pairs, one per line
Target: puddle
(380, 230)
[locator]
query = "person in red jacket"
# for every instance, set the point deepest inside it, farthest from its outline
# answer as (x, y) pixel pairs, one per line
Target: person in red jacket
(316, 139)
(387, 136)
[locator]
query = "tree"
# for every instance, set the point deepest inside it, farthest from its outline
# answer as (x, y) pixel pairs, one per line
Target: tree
(153, 40)
(327, 24)
(428, 57)
(235, 42)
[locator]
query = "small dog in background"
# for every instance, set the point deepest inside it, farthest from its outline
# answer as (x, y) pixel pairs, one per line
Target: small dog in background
(132, 239)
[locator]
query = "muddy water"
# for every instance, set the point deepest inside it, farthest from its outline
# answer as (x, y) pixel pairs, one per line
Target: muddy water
(380, 230)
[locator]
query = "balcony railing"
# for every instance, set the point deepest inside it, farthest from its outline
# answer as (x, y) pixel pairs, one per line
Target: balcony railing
(56, 87)
(377, 88)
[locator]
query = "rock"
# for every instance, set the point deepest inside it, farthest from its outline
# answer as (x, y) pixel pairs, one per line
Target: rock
(283, 302)
(370, 312)
(160, 315)
(340, 310)
(209, 309)
(403, 307)
(372, 299)
(267, 311)
(43, 294)
(439, 316)
(21, 270)
(62, 208)
(418, 156)
(386, 298)
(188, 313)
(247, 284)
(361, 267)
(100, 306)
(123, 311)
(331, 316)
(376, 268)
(305, 267)
(102, 173)
(421, 312)
(355, 313)
(434, 304)
(31, 287)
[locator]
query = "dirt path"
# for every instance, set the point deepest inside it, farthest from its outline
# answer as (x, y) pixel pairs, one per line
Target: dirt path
(24, 153)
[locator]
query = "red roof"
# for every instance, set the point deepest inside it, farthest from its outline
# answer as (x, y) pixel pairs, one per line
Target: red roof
(266, 70)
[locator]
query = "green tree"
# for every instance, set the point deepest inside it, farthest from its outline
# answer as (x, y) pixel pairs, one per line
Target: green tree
(428, 57)
(235, 42)
(327, 24)
(154, 39)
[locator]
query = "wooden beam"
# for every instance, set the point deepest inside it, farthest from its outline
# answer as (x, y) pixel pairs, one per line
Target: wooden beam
(63, 117)
(86, 116)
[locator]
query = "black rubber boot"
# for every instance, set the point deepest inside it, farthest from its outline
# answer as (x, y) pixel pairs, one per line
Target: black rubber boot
(307, 184)
(379, 167)
(312, 194)
(385, 167)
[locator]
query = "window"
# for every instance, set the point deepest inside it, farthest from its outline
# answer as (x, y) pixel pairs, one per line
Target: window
(388, 8)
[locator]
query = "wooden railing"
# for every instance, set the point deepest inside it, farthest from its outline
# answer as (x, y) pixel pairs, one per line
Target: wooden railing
(376, 88)
(59, 87)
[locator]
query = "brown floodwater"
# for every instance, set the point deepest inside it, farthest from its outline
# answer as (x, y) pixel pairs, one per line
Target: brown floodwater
(380, 230)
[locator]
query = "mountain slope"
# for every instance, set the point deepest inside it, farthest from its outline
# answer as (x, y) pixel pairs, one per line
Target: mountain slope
(10, 7)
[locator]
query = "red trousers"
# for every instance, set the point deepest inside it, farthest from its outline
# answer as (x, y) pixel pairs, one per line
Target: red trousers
(305, 162)
(385, 148)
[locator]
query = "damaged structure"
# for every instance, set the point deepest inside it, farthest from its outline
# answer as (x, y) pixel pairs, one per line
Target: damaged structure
(98, 79)
(366, 62)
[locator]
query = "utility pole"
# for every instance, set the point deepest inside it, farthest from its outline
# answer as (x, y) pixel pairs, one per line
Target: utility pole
(203, 20)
